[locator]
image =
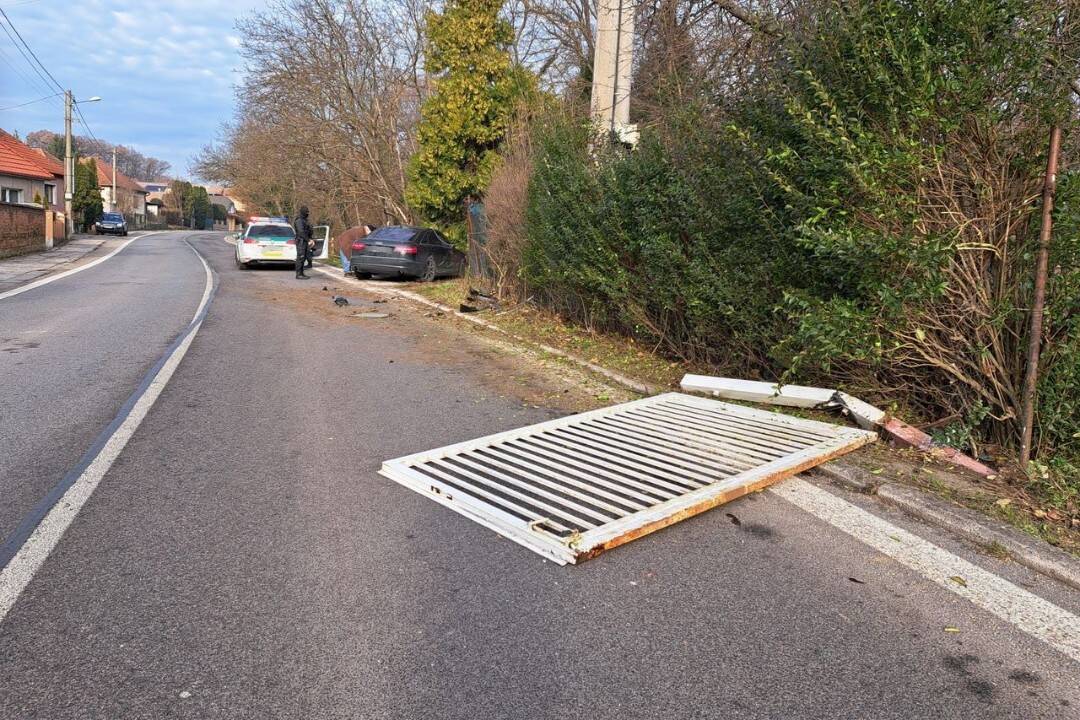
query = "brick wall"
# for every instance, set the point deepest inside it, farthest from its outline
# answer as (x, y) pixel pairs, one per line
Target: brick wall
(22, 229)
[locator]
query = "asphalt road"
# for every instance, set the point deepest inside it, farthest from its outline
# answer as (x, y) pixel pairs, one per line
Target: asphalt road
(242, 558)
(71, 352)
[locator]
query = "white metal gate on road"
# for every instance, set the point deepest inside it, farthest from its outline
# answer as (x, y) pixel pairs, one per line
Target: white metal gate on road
(573, 487)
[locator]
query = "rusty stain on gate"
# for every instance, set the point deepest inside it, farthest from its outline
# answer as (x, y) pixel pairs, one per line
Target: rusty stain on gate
(572, 488)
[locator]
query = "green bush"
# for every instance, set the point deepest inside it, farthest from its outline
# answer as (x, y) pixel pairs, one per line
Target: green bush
(860, 216)
(1059, 386)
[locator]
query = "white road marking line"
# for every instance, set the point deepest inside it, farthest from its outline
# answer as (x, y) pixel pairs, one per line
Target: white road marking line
(28, 560)
(1030, 613)
(207, 288)
(66, 273)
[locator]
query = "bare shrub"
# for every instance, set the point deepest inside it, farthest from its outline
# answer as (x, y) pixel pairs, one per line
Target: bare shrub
(505, 203)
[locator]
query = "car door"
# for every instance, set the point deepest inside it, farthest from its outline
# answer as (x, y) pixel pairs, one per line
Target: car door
(443, 253)
(321, 235)
(429, 248)
(454, 259)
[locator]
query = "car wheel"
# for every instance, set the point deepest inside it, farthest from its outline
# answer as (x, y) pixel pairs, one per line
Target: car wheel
(429, 271)
(361, 275)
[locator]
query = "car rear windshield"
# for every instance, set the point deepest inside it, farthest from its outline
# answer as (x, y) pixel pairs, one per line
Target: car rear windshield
(270, 231)
(112, 217)
(394, 235)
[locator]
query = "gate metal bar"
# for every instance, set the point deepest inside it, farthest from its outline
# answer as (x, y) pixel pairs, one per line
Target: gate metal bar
(573, 487)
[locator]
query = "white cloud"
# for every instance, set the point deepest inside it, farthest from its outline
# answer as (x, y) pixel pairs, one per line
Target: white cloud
(165, 70)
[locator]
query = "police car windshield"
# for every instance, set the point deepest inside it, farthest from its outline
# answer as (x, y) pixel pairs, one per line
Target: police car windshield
(270, 231)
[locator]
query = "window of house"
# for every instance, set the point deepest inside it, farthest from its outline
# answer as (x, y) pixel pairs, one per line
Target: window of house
(50, 194)
(10, 195)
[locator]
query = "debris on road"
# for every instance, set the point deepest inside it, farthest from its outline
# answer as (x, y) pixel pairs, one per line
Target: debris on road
(475, 301)
(865, 415)
(572, 488)
(340, 301)
(371, 315)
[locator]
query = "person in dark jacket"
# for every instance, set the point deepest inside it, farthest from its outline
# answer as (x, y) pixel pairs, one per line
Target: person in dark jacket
(304, 242)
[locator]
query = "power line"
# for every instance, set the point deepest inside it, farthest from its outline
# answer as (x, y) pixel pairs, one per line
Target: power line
(29, 49)
(26, 78)
(44, 81)
(82, 121)
(29, 102)
(78, 110)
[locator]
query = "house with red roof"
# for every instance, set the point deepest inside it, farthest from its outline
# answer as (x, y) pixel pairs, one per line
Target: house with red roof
(130, 195)
(29, 176)
(53, 196)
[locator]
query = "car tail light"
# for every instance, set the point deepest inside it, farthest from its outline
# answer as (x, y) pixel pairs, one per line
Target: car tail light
(249, 241)
(358, 246)
(406, 250)
(290, 242)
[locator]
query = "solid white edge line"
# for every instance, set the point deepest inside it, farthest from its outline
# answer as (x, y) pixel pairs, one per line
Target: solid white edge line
(31, 556)
(66, 273)
(1035, 616)
(209, 282)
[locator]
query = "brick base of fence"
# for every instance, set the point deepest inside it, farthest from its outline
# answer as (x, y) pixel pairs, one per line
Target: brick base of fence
(22, 229)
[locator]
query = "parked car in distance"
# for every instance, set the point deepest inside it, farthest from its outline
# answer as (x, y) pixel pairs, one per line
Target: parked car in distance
(406, 251)
(111, 223)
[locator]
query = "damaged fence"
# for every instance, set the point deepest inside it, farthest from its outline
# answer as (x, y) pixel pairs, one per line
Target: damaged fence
(573, 487)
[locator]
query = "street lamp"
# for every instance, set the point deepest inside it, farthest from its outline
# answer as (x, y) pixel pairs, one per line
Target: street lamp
(69, 160)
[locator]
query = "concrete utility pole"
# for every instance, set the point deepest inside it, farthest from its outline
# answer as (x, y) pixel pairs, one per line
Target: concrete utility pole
(69, 168)
(69, 162)
(112, 197)
(612, 63)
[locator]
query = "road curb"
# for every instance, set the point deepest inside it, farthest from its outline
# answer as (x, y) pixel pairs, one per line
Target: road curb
(629, 383)
(847, 476)
(960, 521)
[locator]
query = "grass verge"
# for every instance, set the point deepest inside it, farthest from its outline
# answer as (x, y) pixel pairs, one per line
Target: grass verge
(614, 352)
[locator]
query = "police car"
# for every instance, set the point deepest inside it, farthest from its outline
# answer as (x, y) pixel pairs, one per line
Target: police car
(270, 240)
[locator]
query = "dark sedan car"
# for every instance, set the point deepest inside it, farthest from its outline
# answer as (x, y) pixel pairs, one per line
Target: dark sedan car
(406, 251)
(112, 223)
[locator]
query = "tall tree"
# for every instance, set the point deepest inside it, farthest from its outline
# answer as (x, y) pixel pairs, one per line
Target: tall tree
(86, 202)
(327, 111)
(466, 117)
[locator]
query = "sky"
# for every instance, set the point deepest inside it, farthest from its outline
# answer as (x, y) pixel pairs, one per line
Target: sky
(165, 70)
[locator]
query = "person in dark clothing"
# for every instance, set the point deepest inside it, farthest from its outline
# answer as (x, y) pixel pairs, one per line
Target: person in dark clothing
(304, 243)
